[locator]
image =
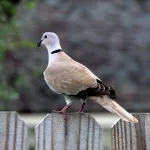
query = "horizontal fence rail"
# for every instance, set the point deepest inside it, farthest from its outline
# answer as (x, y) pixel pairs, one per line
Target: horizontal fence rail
(77, 132)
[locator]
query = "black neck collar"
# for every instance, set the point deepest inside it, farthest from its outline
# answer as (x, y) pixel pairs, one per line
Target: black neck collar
(56, 51)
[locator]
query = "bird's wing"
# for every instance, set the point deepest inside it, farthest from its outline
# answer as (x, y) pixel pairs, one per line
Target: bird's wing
(71, 78)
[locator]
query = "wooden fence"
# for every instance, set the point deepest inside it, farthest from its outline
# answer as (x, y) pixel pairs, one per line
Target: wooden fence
(77, 132)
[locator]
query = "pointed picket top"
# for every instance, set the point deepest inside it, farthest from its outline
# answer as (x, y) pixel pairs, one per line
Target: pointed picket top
(13, 132)
(132, 136)
(78, 131)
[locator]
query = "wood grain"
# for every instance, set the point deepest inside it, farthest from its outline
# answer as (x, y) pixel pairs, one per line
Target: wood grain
(129, 136)
(77, 132)
(13, 132)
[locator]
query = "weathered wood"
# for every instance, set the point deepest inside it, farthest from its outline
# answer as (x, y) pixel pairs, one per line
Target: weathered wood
(129, 136)
(77, 132)
(13, 132)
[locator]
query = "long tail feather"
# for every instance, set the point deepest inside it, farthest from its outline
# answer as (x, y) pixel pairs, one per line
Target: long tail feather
(115, 108)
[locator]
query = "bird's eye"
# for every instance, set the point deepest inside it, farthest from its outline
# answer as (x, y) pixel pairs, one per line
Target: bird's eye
(45, 36)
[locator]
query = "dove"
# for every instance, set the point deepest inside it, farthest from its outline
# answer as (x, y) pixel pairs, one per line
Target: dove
(76, 82)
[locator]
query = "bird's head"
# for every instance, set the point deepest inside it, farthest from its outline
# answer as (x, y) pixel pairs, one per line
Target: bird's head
(48, 39)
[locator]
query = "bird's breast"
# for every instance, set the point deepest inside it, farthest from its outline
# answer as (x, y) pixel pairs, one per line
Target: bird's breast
(52, 82)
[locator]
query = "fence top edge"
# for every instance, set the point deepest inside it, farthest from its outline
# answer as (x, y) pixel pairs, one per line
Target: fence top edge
(68, 114)
(13, 113)
(137, 115)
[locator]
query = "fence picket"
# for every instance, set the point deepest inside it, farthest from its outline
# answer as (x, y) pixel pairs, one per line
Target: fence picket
(129, 136)
(13, 132)
(77, 132)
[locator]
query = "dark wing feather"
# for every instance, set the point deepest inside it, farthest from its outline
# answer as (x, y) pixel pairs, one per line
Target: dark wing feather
(100, 90)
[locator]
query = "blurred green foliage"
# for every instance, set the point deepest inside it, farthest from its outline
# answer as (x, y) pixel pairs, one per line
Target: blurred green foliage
(31, 136)
(7, 92)
(9, 31)
(7, 10)
(31, 4)
(10, 40)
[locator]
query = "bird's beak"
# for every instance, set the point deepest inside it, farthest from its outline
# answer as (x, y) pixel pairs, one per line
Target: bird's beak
(39, 43)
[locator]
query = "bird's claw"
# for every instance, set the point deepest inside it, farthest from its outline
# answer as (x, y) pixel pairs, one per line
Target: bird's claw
(55, 111)
(81, 112)
(60, 112)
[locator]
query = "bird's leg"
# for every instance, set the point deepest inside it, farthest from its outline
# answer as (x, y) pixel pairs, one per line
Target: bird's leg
(82, 107)
(65, 108)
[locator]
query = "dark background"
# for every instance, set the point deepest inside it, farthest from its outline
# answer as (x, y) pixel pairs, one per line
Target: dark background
(111, 37)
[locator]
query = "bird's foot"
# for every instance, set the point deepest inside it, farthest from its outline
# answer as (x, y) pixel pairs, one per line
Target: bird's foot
(61, 112)
(81, 112)
(55, 111)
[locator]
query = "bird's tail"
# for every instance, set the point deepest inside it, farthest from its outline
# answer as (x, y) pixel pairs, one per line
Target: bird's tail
(115, 108)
